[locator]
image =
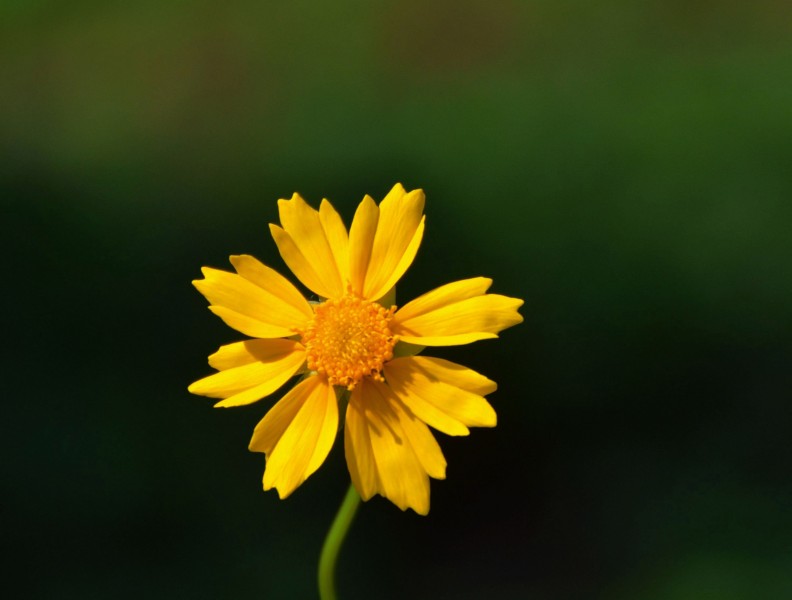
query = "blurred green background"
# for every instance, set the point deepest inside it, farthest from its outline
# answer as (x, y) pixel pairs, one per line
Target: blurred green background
(622, 166)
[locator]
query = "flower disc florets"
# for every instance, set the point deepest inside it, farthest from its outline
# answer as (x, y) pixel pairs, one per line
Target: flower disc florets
(349, 339)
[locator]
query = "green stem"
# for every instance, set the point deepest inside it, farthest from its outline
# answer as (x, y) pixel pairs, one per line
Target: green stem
(332, 544)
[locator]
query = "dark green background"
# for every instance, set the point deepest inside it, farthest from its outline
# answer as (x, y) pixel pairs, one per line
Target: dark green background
(622, 166)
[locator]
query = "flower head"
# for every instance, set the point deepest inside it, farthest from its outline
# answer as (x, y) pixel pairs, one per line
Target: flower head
(352, 343)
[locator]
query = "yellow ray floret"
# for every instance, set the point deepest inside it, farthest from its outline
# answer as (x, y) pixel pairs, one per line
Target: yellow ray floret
(250, 370)
(305, 246)
(456, 313)
(296, 434)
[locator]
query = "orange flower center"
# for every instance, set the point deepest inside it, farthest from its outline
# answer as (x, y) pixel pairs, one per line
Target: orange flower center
(349, 339)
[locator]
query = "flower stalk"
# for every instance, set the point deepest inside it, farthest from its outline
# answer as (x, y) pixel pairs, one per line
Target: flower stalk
(333, 541)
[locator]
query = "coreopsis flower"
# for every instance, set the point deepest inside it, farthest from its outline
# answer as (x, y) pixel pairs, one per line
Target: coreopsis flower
(353, 351)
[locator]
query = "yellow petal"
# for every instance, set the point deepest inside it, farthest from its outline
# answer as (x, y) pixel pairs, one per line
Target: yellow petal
(443, 296)
(453, 374)
(448, 406)
(361, 239)
(271, 428)
(304, 246)
(456, 313)
(295, 260)
(337, 237)
(377, 441)
(251, 351)
(297, 434)
(250, 370)
(403, 478)
(272, 281)
(398, 236)
(422, 441)
(359, 453)
(247, 307)
(249, 325)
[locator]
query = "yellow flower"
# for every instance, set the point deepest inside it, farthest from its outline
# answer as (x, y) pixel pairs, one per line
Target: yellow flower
(352, 345)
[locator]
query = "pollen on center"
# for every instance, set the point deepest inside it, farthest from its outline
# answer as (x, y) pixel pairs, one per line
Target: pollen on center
(349, 339)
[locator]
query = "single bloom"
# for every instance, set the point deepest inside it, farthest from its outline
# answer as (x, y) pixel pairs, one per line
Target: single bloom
(356, 355)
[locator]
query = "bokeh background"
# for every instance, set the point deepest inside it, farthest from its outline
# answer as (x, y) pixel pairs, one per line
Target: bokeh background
(622, 166)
